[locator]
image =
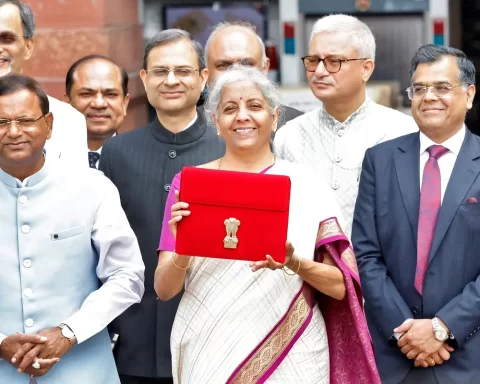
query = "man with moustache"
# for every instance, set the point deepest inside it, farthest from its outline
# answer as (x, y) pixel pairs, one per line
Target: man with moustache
(17, 26)
(98, 88)
(333, 138)
(416, 232)
(142, 164)
(60, 233)
(238, 42)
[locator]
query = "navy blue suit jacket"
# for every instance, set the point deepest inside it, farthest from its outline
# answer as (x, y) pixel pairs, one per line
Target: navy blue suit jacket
(384, 236)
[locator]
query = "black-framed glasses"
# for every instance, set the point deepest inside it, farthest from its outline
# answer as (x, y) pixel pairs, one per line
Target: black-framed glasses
(331, 63)
(418, 92)
(23, 124)
(180, 73)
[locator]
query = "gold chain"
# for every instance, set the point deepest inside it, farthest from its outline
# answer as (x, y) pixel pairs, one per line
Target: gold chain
(274, 161)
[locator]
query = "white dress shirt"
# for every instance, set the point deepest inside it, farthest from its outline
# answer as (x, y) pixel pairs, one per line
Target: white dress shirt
(445, 162)
(69, 135)
(336, 149)
(191, 122)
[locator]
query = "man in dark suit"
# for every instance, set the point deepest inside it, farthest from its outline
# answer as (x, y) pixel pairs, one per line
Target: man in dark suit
(416, 232)
(142, 164)
(238, 42)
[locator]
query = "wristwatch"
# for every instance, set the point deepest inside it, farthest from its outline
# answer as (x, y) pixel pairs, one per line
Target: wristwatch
(68, 333)
(441, 333)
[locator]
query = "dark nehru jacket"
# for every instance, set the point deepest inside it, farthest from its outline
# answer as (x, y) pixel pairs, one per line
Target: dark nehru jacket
(142, 164)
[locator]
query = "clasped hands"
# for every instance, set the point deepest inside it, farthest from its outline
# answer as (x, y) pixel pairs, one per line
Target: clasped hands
(418, 343)
(46, 348)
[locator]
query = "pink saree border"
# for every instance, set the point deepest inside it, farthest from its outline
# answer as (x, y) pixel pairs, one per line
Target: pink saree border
(351, 352)
(261, 362)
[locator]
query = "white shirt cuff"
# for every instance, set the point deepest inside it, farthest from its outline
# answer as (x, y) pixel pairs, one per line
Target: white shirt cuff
(2, 337)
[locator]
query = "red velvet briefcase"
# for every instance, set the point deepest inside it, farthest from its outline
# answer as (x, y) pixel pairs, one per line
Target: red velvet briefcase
(234, 215)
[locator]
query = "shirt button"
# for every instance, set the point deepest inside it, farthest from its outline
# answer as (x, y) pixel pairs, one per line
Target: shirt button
(27, 263)
(28, 292)
(167, 187)
(338, 158)
(172, 154)
(23, 199)
(25, 229)
(29, 323)
(335, 185)
(340, 132)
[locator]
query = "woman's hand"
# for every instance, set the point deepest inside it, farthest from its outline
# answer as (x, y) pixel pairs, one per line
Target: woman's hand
(179, 210)
(272, 264)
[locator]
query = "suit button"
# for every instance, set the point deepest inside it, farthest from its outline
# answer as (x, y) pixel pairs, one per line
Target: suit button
(172, 154)
(415, 310)
(166, 187)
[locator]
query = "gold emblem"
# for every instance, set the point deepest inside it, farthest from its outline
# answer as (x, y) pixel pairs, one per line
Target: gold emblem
(231, 226)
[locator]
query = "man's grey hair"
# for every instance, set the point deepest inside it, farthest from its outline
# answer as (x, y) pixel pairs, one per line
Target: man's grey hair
(242, 24)
(235, 74)
(361, 36)
(26, 14)
(170, 35)
(431, 53)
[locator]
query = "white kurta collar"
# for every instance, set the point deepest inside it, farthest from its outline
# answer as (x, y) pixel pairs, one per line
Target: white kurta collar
(30, 181)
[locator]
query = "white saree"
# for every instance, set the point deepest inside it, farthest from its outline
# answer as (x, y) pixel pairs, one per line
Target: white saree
(227, 310)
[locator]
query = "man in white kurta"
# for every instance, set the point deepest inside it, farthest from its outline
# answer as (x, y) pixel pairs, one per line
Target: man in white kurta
(61, 231)
(333, 138)
(69, 137)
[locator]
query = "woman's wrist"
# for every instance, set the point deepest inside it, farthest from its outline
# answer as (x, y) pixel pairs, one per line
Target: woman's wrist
(179, 261)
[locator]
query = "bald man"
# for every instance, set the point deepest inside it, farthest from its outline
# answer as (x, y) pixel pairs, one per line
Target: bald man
(238, 42)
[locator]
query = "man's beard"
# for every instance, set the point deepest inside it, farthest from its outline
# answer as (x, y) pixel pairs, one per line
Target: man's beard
(6, 71)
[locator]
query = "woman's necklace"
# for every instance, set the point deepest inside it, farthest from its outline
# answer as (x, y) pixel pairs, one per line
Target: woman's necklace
(274, 161)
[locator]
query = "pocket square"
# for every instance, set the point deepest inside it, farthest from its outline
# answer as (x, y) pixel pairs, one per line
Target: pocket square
(472, 200)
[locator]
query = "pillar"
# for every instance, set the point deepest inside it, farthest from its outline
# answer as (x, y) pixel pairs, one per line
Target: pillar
(292, 43)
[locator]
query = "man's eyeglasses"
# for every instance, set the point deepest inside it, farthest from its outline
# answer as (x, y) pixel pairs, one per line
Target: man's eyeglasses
(418, 92)
(24, 124)
(180, 73)
(332, 64)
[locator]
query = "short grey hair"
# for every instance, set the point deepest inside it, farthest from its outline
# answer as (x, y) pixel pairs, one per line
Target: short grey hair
(241, 24)
(240, 73)
(362, 38)
(170, 35)
(26, 14)
(431, 53)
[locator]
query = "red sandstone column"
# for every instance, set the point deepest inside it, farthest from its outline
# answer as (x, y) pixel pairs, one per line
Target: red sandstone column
(70, 29)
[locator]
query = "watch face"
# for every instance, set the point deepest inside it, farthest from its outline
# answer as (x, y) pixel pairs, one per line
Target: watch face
(441, 335)
(67, 333)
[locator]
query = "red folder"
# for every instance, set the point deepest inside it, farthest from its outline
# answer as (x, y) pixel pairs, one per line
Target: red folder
(234, 215)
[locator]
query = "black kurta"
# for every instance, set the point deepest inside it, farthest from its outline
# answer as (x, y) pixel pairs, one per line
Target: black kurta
(142, 164)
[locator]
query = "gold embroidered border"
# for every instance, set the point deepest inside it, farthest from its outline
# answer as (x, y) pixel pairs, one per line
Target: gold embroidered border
(266, 355)
(328, 228)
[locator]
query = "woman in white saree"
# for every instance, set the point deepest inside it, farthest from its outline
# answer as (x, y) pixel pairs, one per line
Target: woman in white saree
(241, 322)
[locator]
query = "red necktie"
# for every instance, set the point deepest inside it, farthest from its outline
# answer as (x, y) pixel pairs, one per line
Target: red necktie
(430, 202)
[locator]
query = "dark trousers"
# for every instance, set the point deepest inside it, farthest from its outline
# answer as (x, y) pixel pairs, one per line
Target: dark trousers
(420, 376)
(143, 380)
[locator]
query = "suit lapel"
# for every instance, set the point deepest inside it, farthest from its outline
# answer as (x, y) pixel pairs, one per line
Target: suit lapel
(464, 173)
(407, 164)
